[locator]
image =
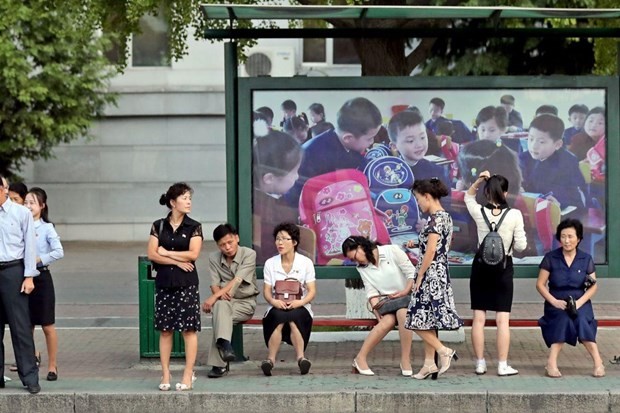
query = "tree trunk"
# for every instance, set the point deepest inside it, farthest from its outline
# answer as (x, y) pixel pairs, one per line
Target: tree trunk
(382, 57)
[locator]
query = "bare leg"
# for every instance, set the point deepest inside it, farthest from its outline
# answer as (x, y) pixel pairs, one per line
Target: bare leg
(379, 331)
(552, 361)
(477, 333)
(165, 348)
(191, 349)
(596, 357)
(297, 340)
(406, 336)
(51, 340)
(502, 319)
(274, 343)
(445, 354)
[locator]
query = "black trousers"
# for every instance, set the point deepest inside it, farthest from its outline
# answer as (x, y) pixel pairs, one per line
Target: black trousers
(14, 311)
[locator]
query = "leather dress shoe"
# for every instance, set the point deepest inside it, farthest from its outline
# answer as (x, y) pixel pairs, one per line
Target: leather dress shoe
(225, 349)
(217, 372)
(33, 388)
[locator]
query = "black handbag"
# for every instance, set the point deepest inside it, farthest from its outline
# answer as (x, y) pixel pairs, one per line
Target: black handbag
(571, 307)
(390, 305)
(589, 282)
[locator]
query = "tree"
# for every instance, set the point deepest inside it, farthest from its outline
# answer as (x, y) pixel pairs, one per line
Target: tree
(53, 77)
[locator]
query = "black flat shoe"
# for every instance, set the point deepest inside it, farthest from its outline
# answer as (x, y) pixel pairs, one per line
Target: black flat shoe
(266, 366)
(52, 375)
(217, 372)
(225, 349)
(33, 388)
(304, 365)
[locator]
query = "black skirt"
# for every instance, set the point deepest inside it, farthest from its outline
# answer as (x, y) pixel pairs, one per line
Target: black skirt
(177, 309)
(491, 287)
(42, 300)
(300, 316)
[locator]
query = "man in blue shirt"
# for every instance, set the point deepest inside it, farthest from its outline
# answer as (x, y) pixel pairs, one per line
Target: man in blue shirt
(17, 267)
(462, 134)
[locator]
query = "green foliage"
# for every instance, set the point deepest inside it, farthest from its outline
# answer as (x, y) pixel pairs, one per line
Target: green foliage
(53, 78)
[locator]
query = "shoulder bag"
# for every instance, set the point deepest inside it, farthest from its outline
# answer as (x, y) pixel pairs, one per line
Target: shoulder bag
(387, 305)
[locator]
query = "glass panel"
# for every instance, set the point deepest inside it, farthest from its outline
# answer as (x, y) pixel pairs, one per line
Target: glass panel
(314, 50)
(150, 47)
(344, 52)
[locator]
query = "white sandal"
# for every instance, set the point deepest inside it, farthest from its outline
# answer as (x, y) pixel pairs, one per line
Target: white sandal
(164, 386)
(185, 387)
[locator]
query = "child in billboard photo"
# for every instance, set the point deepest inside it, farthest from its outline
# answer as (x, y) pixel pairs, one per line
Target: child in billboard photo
(317, 117)
(577, 117)
(548, 109)
(593, 132)
(358, 121)
(492, 124)
(297, 127)
(408, 137)
(267, 113)
(548, 168)
(276, 159)
(515, 120)
(462, 134)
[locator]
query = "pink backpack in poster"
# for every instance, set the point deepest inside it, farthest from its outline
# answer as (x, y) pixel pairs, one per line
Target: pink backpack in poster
(337, 205)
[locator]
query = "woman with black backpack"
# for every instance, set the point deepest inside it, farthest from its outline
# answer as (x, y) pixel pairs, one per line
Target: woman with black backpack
(491, 282)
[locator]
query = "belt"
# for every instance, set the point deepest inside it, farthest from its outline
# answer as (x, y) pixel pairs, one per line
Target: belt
(7, 264)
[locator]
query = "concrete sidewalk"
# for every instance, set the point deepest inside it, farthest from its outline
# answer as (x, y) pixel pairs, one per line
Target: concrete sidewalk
(100, 369)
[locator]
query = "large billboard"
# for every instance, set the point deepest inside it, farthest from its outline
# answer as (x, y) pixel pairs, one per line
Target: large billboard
(340, 161)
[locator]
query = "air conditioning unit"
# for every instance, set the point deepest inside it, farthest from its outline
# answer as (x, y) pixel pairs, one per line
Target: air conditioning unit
(270, 61)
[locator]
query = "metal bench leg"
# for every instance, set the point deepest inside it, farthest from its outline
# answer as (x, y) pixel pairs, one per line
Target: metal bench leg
(237, 343)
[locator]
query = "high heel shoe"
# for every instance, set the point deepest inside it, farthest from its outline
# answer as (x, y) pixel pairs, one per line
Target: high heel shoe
(355, 368)
(185, 387)
(425, 371)
(446, 359)
(406, 373)
(165, 386)
(52, 375)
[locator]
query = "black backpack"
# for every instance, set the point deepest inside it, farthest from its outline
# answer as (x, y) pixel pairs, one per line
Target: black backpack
(491, 250)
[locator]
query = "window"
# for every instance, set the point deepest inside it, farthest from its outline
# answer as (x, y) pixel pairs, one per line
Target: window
(330, 51)
(150, 47)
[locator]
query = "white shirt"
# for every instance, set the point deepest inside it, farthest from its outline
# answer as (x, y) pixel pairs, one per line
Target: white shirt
(302, 270)
(390, 274)
(512, 226)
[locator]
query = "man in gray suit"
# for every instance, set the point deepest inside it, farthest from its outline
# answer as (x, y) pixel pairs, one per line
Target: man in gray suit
(233, 299)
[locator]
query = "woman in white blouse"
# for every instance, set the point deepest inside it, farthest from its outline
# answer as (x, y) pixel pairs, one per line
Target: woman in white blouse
(288, 321)
(491, 287)
(386, 271)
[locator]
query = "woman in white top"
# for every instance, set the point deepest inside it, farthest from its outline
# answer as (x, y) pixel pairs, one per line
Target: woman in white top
(290, 321)
(491, 287)
(386, 271)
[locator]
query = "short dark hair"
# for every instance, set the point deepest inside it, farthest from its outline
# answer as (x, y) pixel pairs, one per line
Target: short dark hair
(175, 191)
(320, 128)
(569, 223)
(222, 230)
(20, 188)
(267, 112)
(550, 124)
(598, 110)
(401, 121)
(507, 100)
(358, 116)
(578, 108)
(289, 105)
(438, 102)
(291, 229)
(295, 123)
(318, 109)
(367, 245)
(549, 109)
(493, 112)
(433, 186)
(445, 127)
(277, 153)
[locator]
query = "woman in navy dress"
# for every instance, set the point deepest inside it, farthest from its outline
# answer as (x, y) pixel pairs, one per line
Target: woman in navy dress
(563, 274)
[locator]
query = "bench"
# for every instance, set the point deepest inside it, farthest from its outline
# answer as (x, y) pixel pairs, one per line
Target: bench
(237, 337)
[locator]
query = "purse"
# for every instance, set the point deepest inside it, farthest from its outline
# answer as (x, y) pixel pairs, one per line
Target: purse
(589, 282)
(571, 307)
(288, 290)
(389, 305)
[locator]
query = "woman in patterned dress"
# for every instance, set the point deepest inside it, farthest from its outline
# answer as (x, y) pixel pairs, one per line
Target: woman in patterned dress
(432, 301)
(174, 247)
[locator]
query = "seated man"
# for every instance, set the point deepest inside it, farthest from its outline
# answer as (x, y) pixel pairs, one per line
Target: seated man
(233, 284)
